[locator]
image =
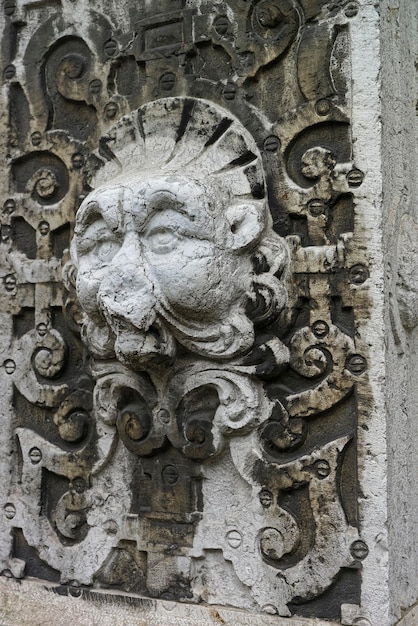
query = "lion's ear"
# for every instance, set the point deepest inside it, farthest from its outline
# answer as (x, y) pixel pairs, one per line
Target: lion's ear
(246, 224)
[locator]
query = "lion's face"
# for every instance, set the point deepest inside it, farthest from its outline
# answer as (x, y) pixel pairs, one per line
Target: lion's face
(160, 258)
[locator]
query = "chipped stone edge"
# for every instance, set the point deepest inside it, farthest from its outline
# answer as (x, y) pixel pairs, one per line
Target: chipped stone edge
(372, 436)
(31, 603)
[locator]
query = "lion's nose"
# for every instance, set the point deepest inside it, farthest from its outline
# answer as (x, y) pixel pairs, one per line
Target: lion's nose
(127, 293)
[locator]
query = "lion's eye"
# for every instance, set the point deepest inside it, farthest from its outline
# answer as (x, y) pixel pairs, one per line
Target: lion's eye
(106, 249)
(162, 240)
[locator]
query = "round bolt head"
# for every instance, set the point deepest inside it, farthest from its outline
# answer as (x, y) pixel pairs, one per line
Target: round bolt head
(111, 48)
(9, 366)
(111, 527)
(234, 538)
(9, 7)
(272, 144)
(95, 86)
(359, 274)
(9, 206)
(266, 498)
(359, 549)
(35, 455)
(10, 282)
(36, 138)
(77, 160)
(170, 475)
(44, 228)
(323, 107)
(9, 72)
(74, 590)
(316, 207)
(164, 416)
(320, 329)
(167, 81)
(357, 364)
(351, 9)
(355, 178)
(9, 510)
(221, 25)
(229, 92)
(42, 329)
(110, 110)
(322, 468)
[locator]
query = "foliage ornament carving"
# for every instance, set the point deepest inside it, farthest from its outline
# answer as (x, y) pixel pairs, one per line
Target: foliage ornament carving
(180, 281)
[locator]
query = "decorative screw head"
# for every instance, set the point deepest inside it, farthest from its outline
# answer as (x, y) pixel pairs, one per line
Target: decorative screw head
(170, 474)
(359, 549)
(9, 7)
(110, 110)
(111, 527)
(351, 9)
(9, 72)
(77, 160)
(221, 25)
(320, 329)
(74, 589)
(9, 366)
(42, 329)
(167, 81)
(9, 206)
(272, 144)
(44, 228)
(357, 364)
(95, 86)
(35, 455)
(266, 498)
(359, 274)
(10, 282)
(9, 510)
(36, 138)
(316, 207)
(234, 538)
(322, 468)
(323, 107)
(164, 416)
(355, 178)
(111, 48)
(229, 92)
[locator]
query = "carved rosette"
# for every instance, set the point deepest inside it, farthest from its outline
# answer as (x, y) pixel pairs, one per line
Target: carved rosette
(179, 302)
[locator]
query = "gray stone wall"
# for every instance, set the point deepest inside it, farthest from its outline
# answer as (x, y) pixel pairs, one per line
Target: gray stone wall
(208, 312)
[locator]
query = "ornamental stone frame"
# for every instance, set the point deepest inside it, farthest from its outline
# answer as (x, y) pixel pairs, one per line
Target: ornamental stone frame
(197, 394)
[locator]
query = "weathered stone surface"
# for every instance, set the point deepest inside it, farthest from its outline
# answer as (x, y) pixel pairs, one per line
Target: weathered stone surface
(193, 314)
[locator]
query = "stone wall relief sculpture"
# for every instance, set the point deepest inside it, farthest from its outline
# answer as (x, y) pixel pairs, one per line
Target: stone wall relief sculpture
(182, 381)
